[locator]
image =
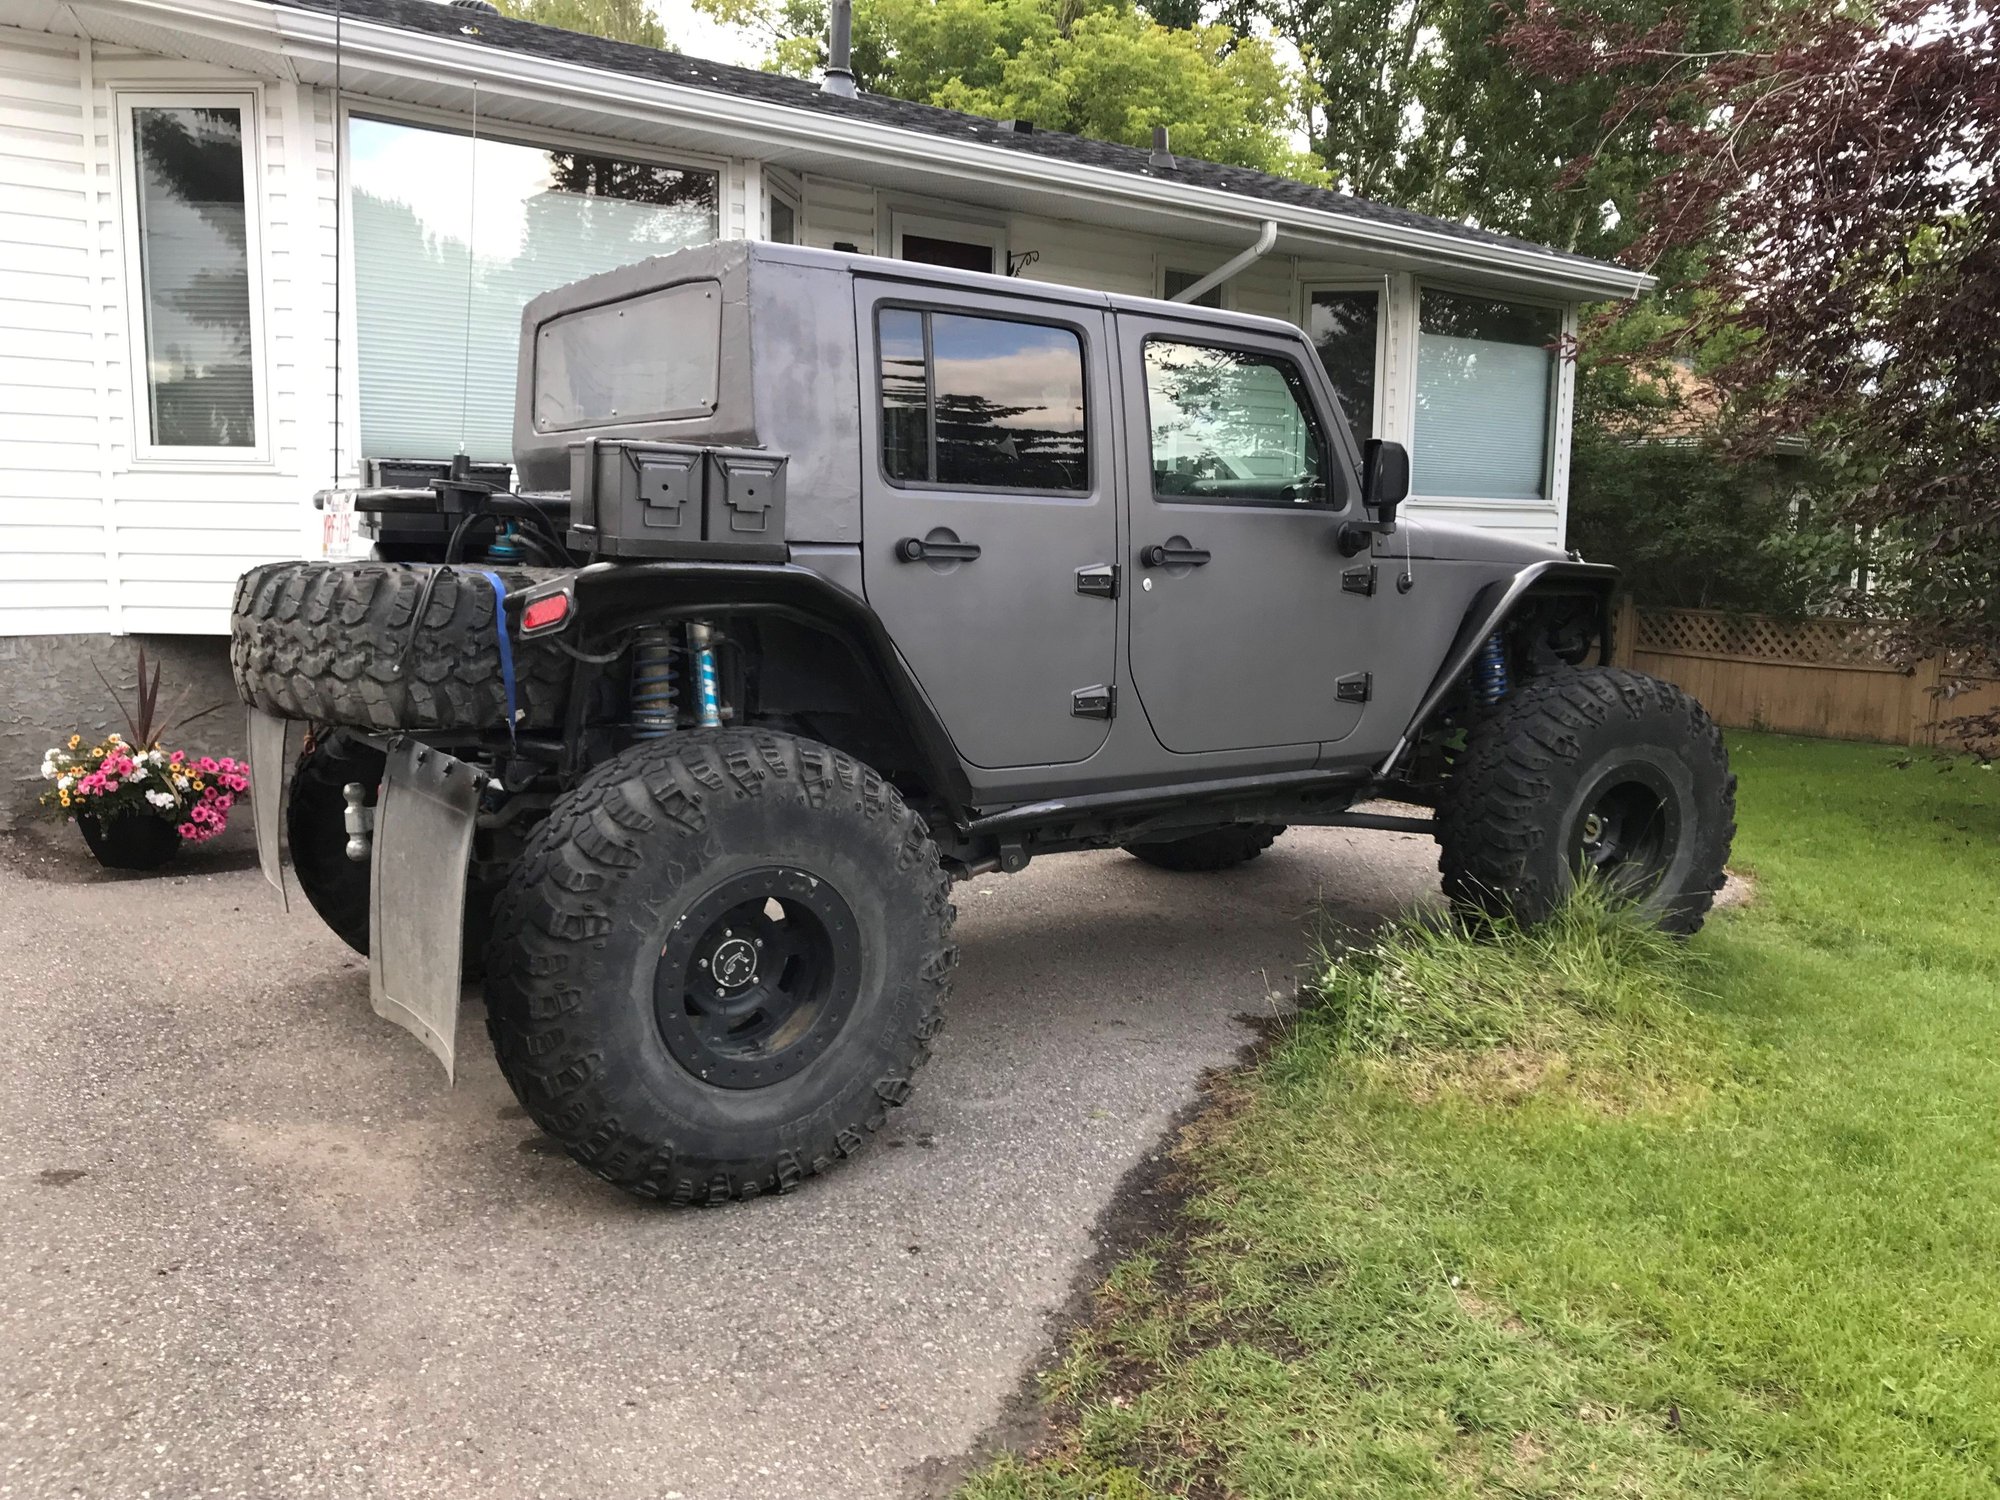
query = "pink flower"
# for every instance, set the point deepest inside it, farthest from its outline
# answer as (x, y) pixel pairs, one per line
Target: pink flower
(189, 831)
(177, 757)
(208, 765)
(237, 783)
(224, 802)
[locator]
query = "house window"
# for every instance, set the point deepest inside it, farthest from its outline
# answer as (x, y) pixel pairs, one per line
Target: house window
(192, 225)
(1486, 374)
(948, 242)
(1173, 283)
(985, 403)
(784, 222)
(1345, 327)
(1231, 426)
(453, 236)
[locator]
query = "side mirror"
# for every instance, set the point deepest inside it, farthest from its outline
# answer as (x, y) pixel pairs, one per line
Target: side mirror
(1385, 477)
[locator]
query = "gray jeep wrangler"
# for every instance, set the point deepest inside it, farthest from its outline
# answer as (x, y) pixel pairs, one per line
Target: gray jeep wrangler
(828, 580)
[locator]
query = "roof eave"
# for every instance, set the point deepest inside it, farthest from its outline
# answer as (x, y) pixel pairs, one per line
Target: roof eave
(307, 39)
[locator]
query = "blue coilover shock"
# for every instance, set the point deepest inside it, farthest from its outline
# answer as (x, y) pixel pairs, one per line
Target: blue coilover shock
(655, 689)
(708, 696)
(1489, 670)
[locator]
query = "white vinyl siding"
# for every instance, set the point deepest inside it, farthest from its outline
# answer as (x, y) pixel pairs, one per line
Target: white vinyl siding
(97, 535)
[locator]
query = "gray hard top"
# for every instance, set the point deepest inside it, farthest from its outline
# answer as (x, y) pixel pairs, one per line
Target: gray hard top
(777, 331)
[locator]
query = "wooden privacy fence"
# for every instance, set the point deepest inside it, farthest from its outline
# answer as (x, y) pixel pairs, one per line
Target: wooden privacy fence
(1818, 677)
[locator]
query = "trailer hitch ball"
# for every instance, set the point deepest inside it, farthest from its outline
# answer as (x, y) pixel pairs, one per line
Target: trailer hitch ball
(360, 821)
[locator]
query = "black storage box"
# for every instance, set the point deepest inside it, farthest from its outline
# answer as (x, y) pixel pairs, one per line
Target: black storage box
(674, 500)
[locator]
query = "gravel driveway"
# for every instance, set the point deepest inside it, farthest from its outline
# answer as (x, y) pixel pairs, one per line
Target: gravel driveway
(251, 1246)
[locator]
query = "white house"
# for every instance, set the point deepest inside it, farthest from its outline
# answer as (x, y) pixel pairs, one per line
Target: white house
(250, 248)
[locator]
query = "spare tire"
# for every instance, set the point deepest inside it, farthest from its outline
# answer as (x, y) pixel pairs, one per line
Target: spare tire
(388, 646)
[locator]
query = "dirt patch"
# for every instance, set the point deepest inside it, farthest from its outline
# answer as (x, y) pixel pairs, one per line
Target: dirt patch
(1737, 890)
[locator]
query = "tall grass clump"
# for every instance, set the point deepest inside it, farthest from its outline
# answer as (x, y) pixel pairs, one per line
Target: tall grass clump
(1595, 984)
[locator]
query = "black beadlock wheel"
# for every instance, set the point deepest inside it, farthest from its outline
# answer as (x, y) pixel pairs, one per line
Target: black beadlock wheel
(1597, 769)
(718, 963)
(1211, 849)
(335, 886)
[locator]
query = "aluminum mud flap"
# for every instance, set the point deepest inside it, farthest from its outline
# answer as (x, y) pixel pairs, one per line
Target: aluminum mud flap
(266, 736)
(416, 893)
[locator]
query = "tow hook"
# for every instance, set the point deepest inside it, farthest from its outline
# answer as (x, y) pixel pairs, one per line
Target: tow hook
(360, 821)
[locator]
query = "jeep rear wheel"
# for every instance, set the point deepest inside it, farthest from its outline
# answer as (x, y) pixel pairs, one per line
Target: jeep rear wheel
(1211, 849)
(1600, 770)
(718, 964)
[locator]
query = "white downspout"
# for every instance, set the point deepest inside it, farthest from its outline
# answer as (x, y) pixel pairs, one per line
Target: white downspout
(1266, 238)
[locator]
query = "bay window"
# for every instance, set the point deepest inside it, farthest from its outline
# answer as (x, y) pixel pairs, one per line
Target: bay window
(1486, 378)
(453, 235)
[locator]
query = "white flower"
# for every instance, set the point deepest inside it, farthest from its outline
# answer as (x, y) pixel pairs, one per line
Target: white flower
(160, 799)
(66, 782)
(138, 775)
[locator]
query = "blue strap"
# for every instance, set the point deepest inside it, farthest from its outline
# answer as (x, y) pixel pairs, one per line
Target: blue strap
(506, 645)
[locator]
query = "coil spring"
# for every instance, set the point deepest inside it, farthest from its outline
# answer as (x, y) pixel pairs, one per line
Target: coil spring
(1489, 672)
(655, 687)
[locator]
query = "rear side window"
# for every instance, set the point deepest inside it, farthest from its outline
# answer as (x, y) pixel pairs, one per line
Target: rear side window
(982, 403)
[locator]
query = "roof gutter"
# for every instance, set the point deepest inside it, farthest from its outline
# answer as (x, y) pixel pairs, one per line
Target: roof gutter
(301, 38)
(1266, 238)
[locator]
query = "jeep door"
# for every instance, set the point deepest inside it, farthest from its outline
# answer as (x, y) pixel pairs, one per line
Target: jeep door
(989, 520)
(1244, 631)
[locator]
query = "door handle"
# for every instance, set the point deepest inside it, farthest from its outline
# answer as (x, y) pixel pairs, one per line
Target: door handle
(916, 549)
(1162, 555)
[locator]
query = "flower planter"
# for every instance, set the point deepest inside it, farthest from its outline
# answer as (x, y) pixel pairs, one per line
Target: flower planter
(132, 842)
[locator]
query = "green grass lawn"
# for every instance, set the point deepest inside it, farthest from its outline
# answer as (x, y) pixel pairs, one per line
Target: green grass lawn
(1598, 1218)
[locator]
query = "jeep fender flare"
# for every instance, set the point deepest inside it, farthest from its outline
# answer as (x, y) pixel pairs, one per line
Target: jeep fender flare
(1490, 608)
(611, 597)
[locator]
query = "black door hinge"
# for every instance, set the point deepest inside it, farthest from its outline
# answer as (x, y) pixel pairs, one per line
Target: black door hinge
(1358, 581)
(1099, 582)
(1354, 687)
(1100, 702)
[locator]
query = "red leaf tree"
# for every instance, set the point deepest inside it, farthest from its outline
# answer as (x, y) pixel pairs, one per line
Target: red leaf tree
(1830, 199)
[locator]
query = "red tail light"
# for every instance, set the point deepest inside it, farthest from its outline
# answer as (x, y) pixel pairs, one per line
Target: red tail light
(545, 613)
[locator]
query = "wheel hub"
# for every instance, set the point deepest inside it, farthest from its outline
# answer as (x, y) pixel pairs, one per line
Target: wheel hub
(1628, 830)
(757, 977)
(734, 962)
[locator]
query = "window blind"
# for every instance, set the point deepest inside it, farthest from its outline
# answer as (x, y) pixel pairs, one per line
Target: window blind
(452, 238)
(1485, 379)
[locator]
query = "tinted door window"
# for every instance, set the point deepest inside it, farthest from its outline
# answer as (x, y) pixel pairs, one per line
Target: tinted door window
(1231, 425)
(987, 403)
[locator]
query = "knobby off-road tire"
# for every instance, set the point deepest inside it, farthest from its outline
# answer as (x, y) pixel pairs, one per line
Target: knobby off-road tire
(1211, 849)
(1589, 767)
(341, 643)
(649, 885)
(335, 886)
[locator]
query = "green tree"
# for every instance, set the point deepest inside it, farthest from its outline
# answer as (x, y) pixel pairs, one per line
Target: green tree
(1106, 69)
(615, 20)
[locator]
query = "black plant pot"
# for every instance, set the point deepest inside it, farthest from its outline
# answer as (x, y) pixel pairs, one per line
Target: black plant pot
(133, 842)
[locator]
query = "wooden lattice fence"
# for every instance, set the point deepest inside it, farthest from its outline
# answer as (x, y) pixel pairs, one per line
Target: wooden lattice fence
(1820, 677)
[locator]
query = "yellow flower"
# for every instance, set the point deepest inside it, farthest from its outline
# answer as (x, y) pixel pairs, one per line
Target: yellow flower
(65, 798)
(75, 740)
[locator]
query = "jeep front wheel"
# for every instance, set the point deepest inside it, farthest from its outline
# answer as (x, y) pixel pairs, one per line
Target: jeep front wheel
(718, 964)
(1600, 770)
